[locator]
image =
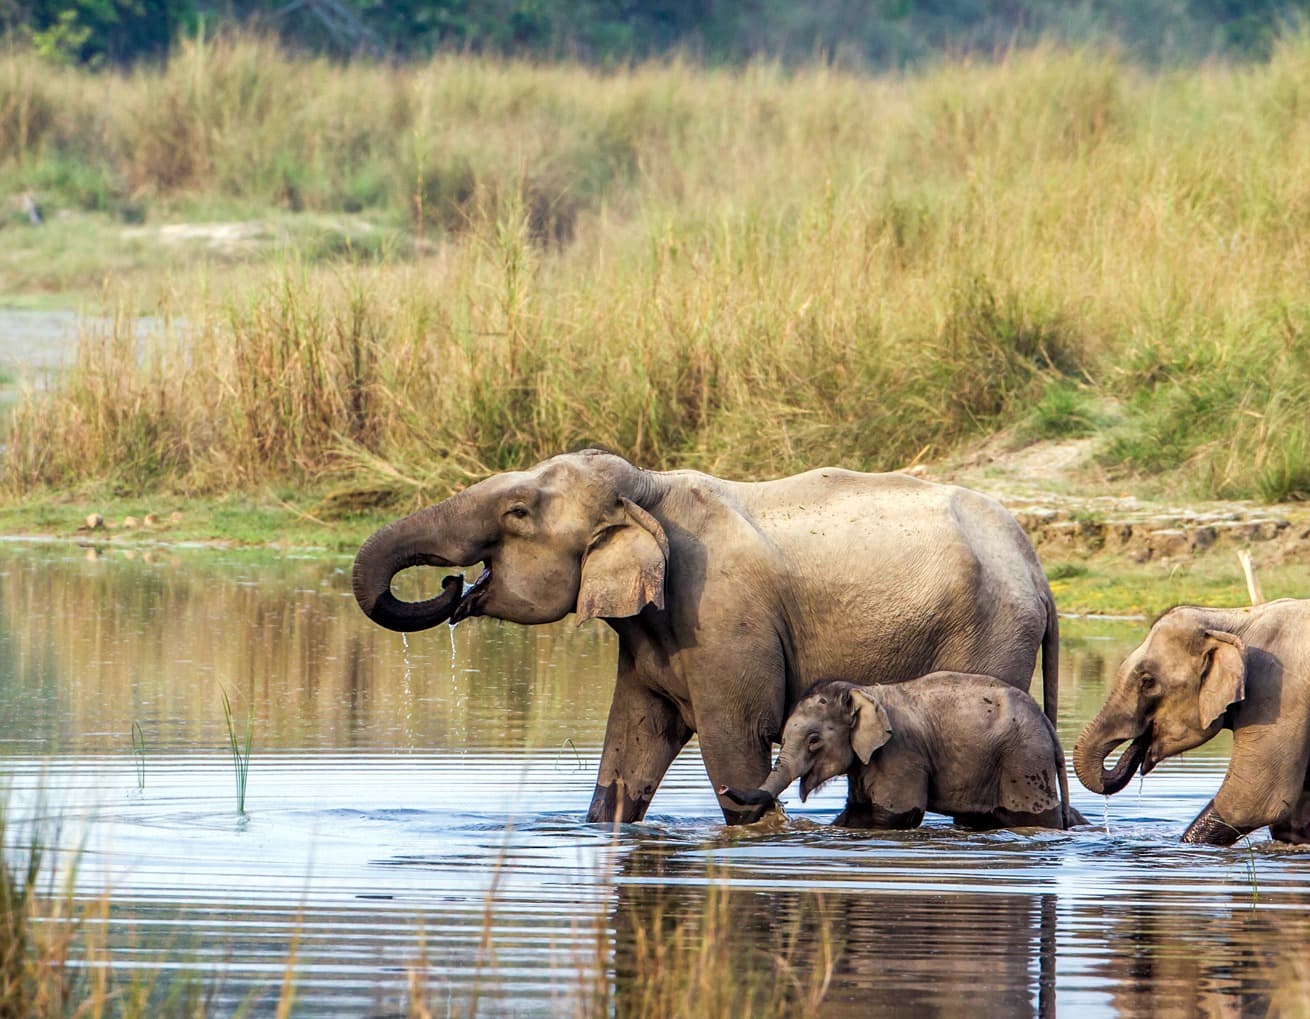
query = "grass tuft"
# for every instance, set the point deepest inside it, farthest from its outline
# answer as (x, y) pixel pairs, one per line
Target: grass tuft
(240, 751)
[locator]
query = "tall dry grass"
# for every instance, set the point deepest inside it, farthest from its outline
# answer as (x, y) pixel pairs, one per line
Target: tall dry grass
(746, 271)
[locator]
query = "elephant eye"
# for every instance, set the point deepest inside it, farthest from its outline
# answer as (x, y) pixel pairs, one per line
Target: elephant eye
(815, 741)
(517, 512)
(1147, 682)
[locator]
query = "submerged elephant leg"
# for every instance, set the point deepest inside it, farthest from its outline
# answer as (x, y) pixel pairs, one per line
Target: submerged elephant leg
(642, 737)
(873, 816)
(735, 759)
(1212, 830)
(1295, 827)
(1003, 818)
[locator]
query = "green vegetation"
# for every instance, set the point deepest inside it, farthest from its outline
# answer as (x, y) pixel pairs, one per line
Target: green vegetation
(139, 755)
(240, 751)
(749, 271)
(1112, 586)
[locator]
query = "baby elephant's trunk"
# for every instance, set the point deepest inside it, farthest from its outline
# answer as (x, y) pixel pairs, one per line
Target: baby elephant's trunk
(759, 799)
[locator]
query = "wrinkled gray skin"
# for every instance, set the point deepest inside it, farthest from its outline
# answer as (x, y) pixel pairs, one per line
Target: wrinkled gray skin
(952, 743)
(1200, 670)
(729, 599)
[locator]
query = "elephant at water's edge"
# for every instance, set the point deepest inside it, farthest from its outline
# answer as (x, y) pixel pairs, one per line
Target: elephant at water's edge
(1200, 670)
(729, 598)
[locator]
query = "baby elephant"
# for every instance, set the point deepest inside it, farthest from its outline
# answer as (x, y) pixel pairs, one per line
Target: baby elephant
(954, 743)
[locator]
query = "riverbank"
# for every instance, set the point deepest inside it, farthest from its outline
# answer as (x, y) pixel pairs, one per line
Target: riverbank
(1105, 555)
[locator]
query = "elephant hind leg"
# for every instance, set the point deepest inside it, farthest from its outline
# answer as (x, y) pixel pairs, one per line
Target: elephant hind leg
(870, 815)
(1295, 827)
(1002, 818)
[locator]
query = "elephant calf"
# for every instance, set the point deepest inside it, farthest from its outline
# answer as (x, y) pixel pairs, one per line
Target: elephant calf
(954, 743)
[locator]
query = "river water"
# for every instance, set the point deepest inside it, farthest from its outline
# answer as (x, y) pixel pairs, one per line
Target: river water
(413, 828)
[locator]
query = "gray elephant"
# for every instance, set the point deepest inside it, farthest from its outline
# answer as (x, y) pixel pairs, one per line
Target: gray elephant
(952, 743)
(729, 598)
(1200, 670)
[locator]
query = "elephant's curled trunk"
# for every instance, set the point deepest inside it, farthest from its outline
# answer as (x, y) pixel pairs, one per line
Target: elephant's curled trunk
(1089, 755)
(421, 539)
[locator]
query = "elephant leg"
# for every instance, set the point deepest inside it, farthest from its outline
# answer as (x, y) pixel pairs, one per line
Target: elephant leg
(858, 812)
(735, 756)
(1212, 830)
(644, 734)
(871, 815)
(1295, 827)
(1002, 818)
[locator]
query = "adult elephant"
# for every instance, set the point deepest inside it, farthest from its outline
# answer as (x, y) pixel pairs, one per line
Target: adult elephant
(1200, 670)
(729, 598)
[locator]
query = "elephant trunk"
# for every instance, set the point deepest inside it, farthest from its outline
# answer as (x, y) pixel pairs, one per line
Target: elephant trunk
(430, 537)
(782, 775)
(764, 798)
(1096, 743)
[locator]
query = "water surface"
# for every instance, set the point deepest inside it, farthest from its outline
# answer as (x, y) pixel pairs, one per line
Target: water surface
(414, 826)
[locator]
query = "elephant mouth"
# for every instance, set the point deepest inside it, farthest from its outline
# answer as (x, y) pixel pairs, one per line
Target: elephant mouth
(1130, 760)
(808, 787)
(470, 603)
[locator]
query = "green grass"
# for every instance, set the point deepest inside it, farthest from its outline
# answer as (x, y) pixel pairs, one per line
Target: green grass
(1111, 586)
(139, 755)
(240, 751)
(474, 264)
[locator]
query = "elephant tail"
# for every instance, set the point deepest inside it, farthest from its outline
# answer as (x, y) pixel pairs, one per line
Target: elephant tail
(1051, 663)
(1051, 699)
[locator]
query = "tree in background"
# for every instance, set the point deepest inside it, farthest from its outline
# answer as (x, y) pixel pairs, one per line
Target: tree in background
(869, 33)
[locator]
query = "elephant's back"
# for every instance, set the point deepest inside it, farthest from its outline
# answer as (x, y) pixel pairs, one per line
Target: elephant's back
(995, 746)
(891, 577)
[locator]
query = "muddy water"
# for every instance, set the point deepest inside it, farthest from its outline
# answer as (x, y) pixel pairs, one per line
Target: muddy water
(413, 826)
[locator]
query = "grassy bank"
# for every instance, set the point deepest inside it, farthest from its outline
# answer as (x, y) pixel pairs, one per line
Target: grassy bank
(748, 272)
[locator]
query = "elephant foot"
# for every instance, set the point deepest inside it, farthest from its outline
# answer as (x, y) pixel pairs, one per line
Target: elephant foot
(1290, 834)
(614, 804)
(1209, 829)
(745, 806)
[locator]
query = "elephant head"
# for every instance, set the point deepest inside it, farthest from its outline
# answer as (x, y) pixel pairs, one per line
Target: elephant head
(832, 725)
(1171, 694)
(564, 536)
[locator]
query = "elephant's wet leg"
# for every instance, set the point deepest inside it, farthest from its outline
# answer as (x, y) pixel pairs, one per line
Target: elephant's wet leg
(1295, 828)
(871, 815)
(642, 737)
(1003, 818)
(1211, 829)
(737, 756)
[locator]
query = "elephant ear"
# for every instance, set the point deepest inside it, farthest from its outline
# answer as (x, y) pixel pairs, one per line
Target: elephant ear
(1223, 676)
(870, 726)
(623, 567)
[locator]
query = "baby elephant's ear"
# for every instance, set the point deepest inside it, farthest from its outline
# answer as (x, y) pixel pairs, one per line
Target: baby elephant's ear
(623, 568)
(870, 726)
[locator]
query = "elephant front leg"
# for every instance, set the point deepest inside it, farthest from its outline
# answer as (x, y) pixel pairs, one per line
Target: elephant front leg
(736, 757)
(644, 734)
(1210, 829)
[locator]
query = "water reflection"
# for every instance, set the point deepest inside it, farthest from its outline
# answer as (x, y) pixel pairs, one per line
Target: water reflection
(91, 646)
(415, 822)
